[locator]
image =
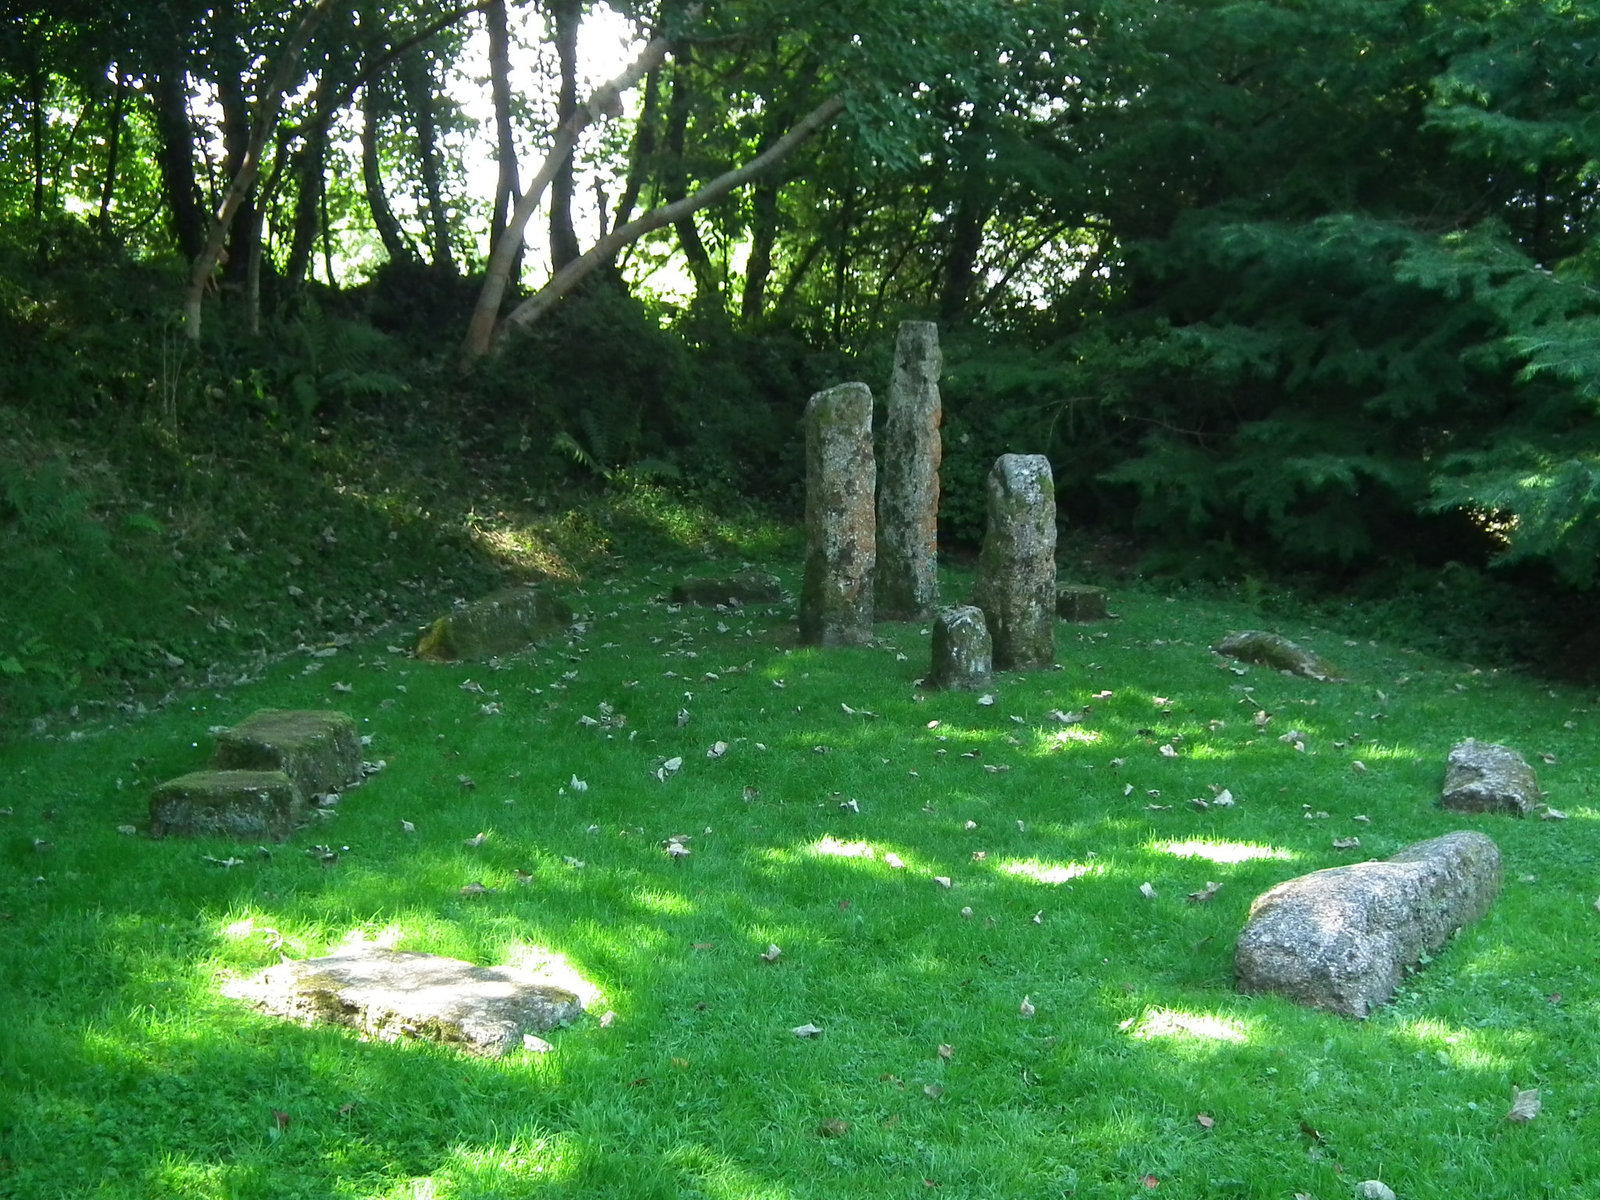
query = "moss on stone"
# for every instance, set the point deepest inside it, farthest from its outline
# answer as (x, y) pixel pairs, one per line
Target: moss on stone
(501, 623)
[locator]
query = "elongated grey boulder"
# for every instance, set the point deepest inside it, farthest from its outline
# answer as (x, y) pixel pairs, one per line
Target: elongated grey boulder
(1278, 652)
(392, 994)
(841, 539)
(243, 804)
(1342, 939)
(908, 498)
(1016, 586)
(319, 750)
(1489, 777)
(963, 652)
(506, 621)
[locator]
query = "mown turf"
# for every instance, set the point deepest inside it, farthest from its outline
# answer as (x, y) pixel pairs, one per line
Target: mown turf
(124, 1073)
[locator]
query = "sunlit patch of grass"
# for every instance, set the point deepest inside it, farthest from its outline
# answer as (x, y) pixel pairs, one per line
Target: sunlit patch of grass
(1221, 852)
(1178, 1026)
(1049, 873)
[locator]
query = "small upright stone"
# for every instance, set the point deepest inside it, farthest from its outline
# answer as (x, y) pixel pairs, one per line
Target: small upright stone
(1016, 585)
(963, 652)
(1488, 777)
(841, 539)
(908, 501)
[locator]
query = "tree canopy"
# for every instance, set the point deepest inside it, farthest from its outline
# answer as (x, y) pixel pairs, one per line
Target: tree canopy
(1290, 281)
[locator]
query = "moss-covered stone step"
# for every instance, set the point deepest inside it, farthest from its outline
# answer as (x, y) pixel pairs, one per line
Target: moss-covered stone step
(1080, 602)
(744, 587)
(319, 750)
(251, 804)
(501, 623)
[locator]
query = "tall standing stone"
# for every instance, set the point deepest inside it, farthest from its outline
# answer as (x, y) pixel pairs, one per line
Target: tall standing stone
(841, 534)
(908, 501)
(1017, 569)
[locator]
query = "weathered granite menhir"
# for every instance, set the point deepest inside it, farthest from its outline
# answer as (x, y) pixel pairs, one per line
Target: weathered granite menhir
(392, 994)
(503, 622)
(1016, 586)
(963, 652)
(1489, 777)
(1342, 939)
(841, 538)
(908, 494)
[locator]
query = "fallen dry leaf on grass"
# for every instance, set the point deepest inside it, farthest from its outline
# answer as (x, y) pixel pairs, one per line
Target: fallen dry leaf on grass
(1026, 1009)
(1204, 1121)
(1147, 891)
(833, 1127)
(807, 1030)
(1204, 895)
(771, 954)
(1525, 1105)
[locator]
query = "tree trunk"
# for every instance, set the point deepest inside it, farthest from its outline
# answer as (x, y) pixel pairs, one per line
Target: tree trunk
(416, 75)
(531, 309)
(266, 116)
(960, 272)
(175, 150)
(565, 16)
(675, 181)
(605, 101)
(37, 81)
(309, 166)
(506, 190)
(642, 151)
(113, 149)
(390, 231)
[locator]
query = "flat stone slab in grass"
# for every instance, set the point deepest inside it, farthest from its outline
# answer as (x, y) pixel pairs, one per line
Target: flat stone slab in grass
(319, 750)
(1342, 939)
(501, 623)
(1489, 777)
(392, 994)
(1080, 602)
(745, 587)
(1278, 652)
(252, 804)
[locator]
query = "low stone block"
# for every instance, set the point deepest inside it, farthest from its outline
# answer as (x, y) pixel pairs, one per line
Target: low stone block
(1080, 602)
(1278, 652)
(501, 623)
(745, 587)
(246, 804)
(1342, 939)
(1489, 777)
(392, 994)
(319, 750)
(963, 651)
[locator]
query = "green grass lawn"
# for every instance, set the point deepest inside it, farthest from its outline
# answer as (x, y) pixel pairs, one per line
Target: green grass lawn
(924, 862)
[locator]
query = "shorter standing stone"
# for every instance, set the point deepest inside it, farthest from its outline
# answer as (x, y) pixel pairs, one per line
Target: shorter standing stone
(319, 750)
(1017, 567)
(502, 623)
(1343, 938)
(963, 652)
(841, 537)
(1081, 602)
(245, 804)
(390, 994)
(1489, 777)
